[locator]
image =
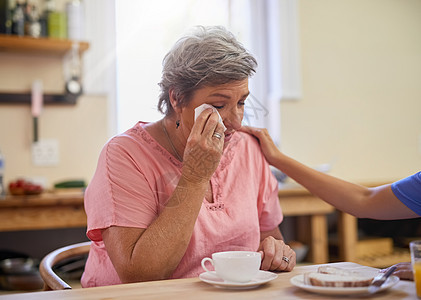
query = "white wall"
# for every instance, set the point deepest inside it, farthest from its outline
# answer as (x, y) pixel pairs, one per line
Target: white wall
(361, 105)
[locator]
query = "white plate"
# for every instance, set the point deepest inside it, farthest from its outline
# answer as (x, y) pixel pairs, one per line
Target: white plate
(299, 282)
(261, 278)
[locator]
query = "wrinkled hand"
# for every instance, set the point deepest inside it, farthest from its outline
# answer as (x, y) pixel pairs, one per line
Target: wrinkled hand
(403, 271)
(272, 252)
(203, 151)
(267, 145)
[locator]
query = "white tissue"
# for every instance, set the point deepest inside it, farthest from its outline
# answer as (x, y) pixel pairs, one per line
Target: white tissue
(198, 110)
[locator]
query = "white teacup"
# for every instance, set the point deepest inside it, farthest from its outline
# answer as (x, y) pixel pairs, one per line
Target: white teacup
(234, 266)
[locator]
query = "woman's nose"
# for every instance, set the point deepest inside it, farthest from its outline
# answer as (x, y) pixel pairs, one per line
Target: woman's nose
(233, 119)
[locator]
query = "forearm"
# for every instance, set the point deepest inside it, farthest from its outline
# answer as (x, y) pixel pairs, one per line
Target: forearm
(155, 253)
(165, 242)
(345, 196)
(341, 194)
(377, 203)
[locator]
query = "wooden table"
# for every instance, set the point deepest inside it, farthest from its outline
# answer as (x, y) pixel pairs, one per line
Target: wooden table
(45, 211)
(66, 210)
(194, 288)
(312, 224)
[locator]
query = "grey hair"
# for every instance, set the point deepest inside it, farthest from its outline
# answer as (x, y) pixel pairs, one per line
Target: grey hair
(208, 56)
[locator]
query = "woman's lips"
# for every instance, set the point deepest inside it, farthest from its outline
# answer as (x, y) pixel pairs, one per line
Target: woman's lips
(228, 136)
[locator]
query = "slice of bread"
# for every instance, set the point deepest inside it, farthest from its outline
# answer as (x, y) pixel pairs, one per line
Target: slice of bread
(327, 276)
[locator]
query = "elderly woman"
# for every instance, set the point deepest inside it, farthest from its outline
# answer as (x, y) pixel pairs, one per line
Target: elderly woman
(169, 193)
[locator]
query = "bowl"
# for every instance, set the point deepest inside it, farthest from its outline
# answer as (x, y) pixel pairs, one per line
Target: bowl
(24, 187)
(20, 274)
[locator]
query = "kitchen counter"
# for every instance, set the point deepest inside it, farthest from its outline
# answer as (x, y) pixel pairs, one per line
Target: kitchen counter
(45, 211)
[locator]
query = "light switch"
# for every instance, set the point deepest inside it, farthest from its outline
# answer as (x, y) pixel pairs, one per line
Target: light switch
(45, 153)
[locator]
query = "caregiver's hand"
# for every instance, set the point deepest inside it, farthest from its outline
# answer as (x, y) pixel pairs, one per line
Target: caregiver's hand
(269, 148)
(403, 271)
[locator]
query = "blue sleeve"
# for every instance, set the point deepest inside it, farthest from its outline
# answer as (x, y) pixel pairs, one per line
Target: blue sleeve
(408, 191)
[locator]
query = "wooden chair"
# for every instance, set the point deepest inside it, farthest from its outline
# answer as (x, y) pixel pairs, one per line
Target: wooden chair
(51, 280)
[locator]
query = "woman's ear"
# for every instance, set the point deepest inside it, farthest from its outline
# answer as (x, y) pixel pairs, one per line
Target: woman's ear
(174, 101)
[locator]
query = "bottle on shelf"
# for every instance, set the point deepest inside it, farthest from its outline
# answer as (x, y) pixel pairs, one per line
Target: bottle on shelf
(57, 22)
(5, 17)
(32, 22)
(43, 17)
(18, 18)
(74, 11)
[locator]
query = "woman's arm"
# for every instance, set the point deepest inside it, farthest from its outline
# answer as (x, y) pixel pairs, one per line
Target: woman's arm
(377, 203)
(155, 252)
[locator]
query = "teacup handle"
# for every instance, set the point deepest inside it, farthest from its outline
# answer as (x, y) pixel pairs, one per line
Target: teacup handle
(204, 261)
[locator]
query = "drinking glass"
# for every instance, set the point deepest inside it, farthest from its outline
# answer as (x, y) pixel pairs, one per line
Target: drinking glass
(415, 247)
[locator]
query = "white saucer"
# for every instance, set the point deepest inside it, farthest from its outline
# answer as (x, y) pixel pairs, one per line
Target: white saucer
(298, 281)
(261, 278)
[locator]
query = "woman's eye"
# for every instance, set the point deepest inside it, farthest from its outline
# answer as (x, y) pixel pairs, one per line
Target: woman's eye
(242, 103)
(218, 106)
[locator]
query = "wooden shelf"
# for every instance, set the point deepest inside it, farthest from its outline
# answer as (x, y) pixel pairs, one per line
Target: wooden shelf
(45, 46)
(38, 46)
(25, 98)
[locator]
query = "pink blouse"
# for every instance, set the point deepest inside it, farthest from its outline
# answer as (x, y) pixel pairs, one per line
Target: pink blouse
(136, 176)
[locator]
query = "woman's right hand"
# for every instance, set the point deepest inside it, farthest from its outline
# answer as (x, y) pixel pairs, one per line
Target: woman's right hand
(267, 145)
(203, 151)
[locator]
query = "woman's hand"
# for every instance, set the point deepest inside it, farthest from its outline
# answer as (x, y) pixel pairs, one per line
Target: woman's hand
(403, 271)
(273, 253)
(267, 145)
(203, 150)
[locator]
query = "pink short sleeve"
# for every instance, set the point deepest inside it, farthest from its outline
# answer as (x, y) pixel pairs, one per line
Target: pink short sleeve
(119, 193)
(270, 212)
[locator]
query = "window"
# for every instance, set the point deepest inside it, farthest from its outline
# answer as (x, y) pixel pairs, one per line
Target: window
(145, 31)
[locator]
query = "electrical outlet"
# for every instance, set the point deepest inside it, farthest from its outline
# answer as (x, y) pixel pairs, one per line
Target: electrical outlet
(45, 153)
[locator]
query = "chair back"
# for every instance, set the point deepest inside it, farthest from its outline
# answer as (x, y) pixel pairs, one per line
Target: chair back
(52, 280)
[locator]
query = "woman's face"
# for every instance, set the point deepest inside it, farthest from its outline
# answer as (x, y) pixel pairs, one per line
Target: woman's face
(229, 99)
